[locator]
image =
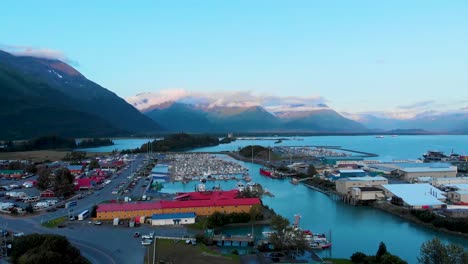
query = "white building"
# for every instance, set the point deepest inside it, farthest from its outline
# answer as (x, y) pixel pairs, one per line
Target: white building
(449, 181)
(416, 196)
(173, 219)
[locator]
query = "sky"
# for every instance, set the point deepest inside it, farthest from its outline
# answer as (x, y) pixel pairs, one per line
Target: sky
(358, 56)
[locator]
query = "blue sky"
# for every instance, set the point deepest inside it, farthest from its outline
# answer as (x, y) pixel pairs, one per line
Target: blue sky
(357, 55)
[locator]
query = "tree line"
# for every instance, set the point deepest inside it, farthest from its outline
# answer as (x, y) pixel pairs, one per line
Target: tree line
(176, 142)
(52, 142)
(427, 216)
(45, 248)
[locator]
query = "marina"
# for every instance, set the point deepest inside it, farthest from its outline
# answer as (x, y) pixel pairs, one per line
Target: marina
(203, 167)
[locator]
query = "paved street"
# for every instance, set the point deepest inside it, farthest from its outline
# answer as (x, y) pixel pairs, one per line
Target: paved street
(100, 244)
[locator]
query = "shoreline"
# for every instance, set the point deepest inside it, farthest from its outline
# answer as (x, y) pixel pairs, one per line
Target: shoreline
(394, 211)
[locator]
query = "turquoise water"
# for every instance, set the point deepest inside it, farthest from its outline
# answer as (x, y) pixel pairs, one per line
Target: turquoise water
(388, 148)
(352, 228)
(119, 144)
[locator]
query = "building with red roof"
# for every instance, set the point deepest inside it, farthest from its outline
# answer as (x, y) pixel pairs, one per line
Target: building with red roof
(202, 204)
(85, 183)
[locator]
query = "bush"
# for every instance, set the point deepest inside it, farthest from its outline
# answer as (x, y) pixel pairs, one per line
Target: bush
(359, 257)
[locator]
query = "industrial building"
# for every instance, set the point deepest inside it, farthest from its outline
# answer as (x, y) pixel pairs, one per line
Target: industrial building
(410, 174)
(160, 173)
(343, 186)
(449, 181)
(458, 197)
(173, 219)
(363, 195)
(416, 196)
(411, 171)
(200, 203)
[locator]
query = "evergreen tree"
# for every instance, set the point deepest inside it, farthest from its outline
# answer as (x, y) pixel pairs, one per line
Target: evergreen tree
(436, 252)
(43, 178)
(381, 251)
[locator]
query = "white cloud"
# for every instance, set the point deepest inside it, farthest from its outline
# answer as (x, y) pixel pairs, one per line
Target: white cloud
(35, 52)
(147, 101)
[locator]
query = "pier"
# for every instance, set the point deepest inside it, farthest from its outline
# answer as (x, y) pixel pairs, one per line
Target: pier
(333, 195)
(233, 240)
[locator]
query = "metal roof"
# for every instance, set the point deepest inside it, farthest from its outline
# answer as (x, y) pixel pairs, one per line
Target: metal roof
(459, 186)
(161, 168)
(113, 207)
(429, 169)
(172, 216)
(75, 167)
(390, 166)
(365, 178)
(350, 171)
(419, 194)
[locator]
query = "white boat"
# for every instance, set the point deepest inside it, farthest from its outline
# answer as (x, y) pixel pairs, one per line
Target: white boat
(316, 241)
(240, 186)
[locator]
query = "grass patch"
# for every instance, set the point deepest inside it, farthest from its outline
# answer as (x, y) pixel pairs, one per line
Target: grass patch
(179, 252)
(200, 223)
(338, 261)
(42, 155)
(54, 222)
(205, 249)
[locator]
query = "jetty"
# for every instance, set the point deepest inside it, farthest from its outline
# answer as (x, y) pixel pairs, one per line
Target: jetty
(236, 239)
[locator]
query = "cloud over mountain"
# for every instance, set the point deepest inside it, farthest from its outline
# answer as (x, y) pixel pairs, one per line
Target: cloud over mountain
(43, 53)
(147, 101)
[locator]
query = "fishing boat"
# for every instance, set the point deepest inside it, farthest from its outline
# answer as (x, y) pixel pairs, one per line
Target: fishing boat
(265, 172)
(316, 241)
(294, 181)
(240, 186)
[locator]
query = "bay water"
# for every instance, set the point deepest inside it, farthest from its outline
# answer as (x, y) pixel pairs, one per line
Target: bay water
(352, 228)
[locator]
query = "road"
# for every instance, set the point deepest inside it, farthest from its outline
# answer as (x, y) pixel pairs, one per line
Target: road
(99, 244)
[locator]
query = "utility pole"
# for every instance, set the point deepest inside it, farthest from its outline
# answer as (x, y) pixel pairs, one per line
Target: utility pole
(4, 241)
(154, 250)
(252, 153)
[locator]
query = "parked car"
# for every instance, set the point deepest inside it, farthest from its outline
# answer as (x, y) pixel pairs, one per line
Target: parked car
(97, 223)
(52, 209)
(137, 234)
(146, 242)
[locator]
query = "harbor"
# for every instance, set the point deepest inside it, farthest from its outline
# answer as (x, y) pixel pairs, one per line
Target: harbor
(320, 213)
(204, 167)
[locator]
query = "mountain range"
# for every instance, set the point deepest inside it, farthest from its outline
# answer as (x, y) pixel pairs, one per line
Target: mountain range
(176, 116)
(43, 96)
(49, 97)
(203, 113)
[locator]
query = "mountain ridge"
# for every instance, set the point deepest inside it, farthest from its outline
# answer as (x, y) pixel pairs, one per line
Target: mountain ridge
(42, 91)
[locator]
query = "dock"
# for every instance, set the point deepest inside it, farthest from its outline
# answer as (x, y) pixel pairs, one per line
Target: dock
(233, 240)
(332, 194)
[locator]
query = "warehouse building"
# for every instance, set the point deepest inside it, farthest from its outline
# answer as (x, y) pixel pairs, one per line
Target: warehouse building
(343, 186)
(411, 171)
(449, 181)
(416, 196)
(212, 202)
(410, 174)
